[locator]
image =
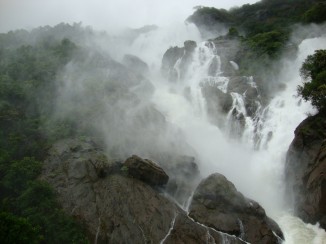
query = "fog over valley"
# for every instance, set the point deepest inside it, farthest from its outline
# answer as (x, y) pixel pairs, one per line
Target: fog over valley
(101, 14)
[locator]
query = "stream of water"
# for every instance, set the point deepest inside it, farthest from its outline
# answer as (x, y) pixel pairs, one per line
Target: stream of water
(256, 171)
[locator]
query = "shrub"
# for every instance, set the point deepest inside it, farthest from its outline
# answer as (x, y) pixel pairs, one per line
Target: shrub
(15, 229)
(313, 71)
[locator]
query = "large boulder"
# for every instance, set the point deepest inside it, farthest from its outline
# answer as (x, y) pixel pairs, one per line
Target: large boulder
(171, 57)
(135, 64)
(145, 170)
(305, 170)
(217, 101)
(189, 46)
(217, 203)
(247, 87)
(227, 49)
(183, 174)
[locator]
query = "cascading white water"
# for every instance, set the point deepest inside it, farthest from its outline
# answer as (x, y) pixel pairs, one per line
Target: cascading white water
(256, 173)
(284, 113)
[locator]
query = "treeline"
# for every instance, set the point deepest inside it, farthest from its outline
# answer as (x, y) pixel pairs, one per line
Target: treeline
(29, 64)
(264, 28)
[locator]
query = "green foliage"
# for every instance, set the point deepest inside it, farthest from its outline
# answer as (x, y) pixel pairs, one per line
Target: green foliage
(314, 127)
(19, 173)
(52, 222)
(316, 14)
(65, 49)
(15, 229)
(29, 64)
(25, 71)
(207, 16)
(269, 15)
(269, 43)
(35, 202)
(313, 70)
(124, 169)
(265, 26)
(263, 16)
(233, 33)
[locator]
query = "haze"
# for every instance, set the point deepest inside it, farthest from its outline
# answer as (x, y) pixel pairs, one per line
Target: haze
(101, 14)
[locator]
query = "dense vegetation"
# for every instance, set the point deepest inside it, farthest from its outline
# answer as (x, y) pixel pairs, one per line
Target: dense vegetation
(29, 64)
(264, 27)
(313, 71)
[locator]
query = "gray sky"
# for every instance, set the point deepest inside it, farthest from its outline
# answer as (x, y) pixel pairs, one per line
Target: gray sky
(101, 14)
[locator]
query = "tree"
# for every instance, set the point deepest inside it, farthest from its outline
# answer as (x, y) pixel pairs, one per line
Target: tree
(15, 229)
(316, 14)
(313, 71)
(269, 43)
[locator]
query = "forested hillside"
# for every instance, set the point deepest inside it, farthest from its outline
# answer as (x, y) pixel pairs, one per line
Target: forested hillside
(29, 64)
(264, 28)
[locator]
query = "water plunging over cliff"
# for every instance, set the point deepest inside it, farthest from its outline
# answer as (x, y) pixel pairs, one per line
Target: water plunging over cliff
(253, 159)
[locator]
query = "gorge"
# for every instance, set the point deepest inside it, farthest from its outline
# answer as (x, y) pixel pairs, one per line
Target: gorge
(164, 134)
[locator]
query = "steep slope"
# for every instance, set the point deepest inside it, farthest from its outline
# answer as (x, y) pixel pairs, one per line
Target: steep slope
(120, 202)
(305, 170)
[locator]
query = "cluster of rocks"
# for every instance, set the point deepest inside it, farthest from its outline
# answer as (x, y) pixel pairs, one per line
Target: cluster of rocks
(175, 54)
(221, 69)
(124, 201)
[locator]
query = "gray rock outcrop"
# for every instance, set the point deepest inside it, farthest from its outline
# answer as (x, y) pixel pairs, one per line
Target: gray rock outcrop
(175, 54)
(135, 64)
(221, 80)
(114, 208)
(145, 170)
(217, 204)
(116, 205)
(170, 57)
(227, 49)
(183, 174)
(305, 171)
(186, 230)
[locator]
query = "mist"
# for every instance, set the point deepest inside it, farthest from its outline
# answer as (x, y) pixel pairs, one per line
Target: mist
(115, 88)
(100, 14)
(139, 112)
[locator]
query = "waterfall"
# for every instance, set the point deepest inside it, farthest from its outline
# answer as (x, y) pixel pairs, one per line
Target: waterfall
(254, 160)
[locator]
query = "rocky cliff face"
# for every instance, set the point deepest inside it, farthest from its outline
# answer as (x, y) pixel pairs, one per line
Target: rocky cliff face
(229, 97)
(124, 201)
(305, 170)
(218, 204)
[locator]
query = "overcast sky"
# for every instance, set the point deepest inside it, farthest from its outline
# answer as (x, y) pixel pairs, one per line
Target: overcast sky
(101, 14)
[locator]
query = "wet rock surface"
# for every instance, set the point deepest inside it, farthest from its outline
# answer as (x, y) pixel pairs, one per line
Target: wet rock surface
(145, 170)
(186, 230)
(170, 57)
(116, 205)
(216, 58)
(135, 64)
(114, 208)
(305, 171)
(184, 176)
(217, 203)
(176, 61)
(227, 49)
